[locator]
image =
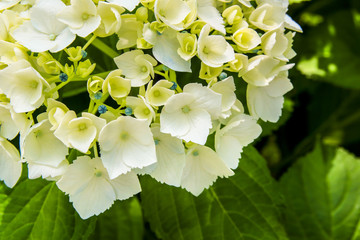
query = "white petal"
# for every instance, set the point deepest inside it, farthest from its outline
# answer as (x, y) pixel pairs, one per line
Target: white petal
(10, 165)
(261, 105)
(113, 162)
(88, 27)
(292, 25)
(32, 39)
(44, 171)
(209, 14)
(77, 176)
(170, 154)
(202, 168)
(43, 16)
(165, 51)
(200, 124)
(126, 185)
(94, 199)
(128, 4)
(64, 39)
(205, 98)
(229, 149)
(42, 147)
(279, 86)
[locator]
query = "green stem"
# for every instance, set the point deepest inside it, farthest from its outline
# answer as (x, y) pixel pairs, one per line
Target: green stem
(89, 42)
(104, 48)
(162, 74)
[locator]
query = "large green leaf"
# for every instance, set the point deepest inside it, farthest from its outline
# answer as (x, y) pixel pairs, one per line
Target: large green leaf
(244, 206)
(123, 221)
(322, 193)
(37, 209)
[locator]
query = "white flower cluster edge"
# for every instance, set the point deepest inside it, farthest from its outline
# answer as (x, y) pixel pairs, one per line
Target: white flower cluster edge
(162, 130)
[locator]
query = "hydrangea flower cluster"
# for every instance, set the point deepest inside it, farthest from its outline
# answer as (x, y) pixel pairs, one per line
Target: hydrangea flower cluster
(142, 118)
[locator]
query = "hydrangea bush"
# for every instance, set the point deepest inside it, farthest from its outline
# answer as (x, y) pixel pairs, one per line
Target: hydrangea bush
(143, 116)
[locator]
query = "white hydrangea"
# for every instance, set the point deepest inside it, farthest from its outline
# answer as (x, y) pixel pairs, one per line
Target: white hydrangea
(91, 190)
(188, 115)
(126, 143)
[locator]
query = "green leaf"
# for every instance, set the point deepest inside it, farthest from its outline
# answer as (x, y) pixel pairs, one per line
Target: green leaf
(37, 209)
(322, 193)
(122, 221)
(244, 206)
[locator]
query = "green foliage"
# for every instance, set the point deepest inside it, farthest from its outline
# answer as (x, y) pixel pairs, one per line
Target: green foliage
(244, 206)
(322, 195)
(330, 50)
(122, 221)
(37, 209)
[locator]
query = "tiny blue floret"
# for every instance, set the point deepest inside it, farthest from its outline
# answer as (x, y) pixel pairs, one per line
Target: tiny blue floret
(83, 53)
(174, 86)
(102, 109)
(63, 77)
(98, 95)
(223, 75)
(128, 111)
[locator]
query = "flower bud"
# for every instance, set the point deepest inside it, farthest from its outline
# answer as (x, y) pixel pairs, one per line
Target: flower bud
(74, 53)
(233, 14)
(94, 85)
(188, 44)
(85, 68)
(209, 73)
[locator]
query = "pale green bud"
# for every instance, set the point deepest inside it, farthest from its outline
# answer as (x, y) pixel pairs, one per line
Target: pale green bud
(85, 68)
(233, 14)
(142, 14)
(74, 53)
(209, 73)
(48, 63)
(94, 85)
(188, 43)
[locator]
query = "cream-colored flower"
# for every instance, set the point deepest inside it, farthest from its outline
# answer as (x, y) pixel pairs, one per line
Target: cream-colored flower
(10, 165)
(188, 115)
(126, 143)
(141, 109)
(262, 69)
(213, 50)
(23, 85)
(203, 166)
(110, 15)
(172, 13)
(117, 86)
(188, 44)
(266, 102)
(40, 146)
(246, 39)
(44, 31)
(158, 94)
(240, 131)
(268, 16)
(79, 132)
(136, 66)
(11, 123)
(81, 16)
(129, 31)
(91, 190)
(278, 45)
